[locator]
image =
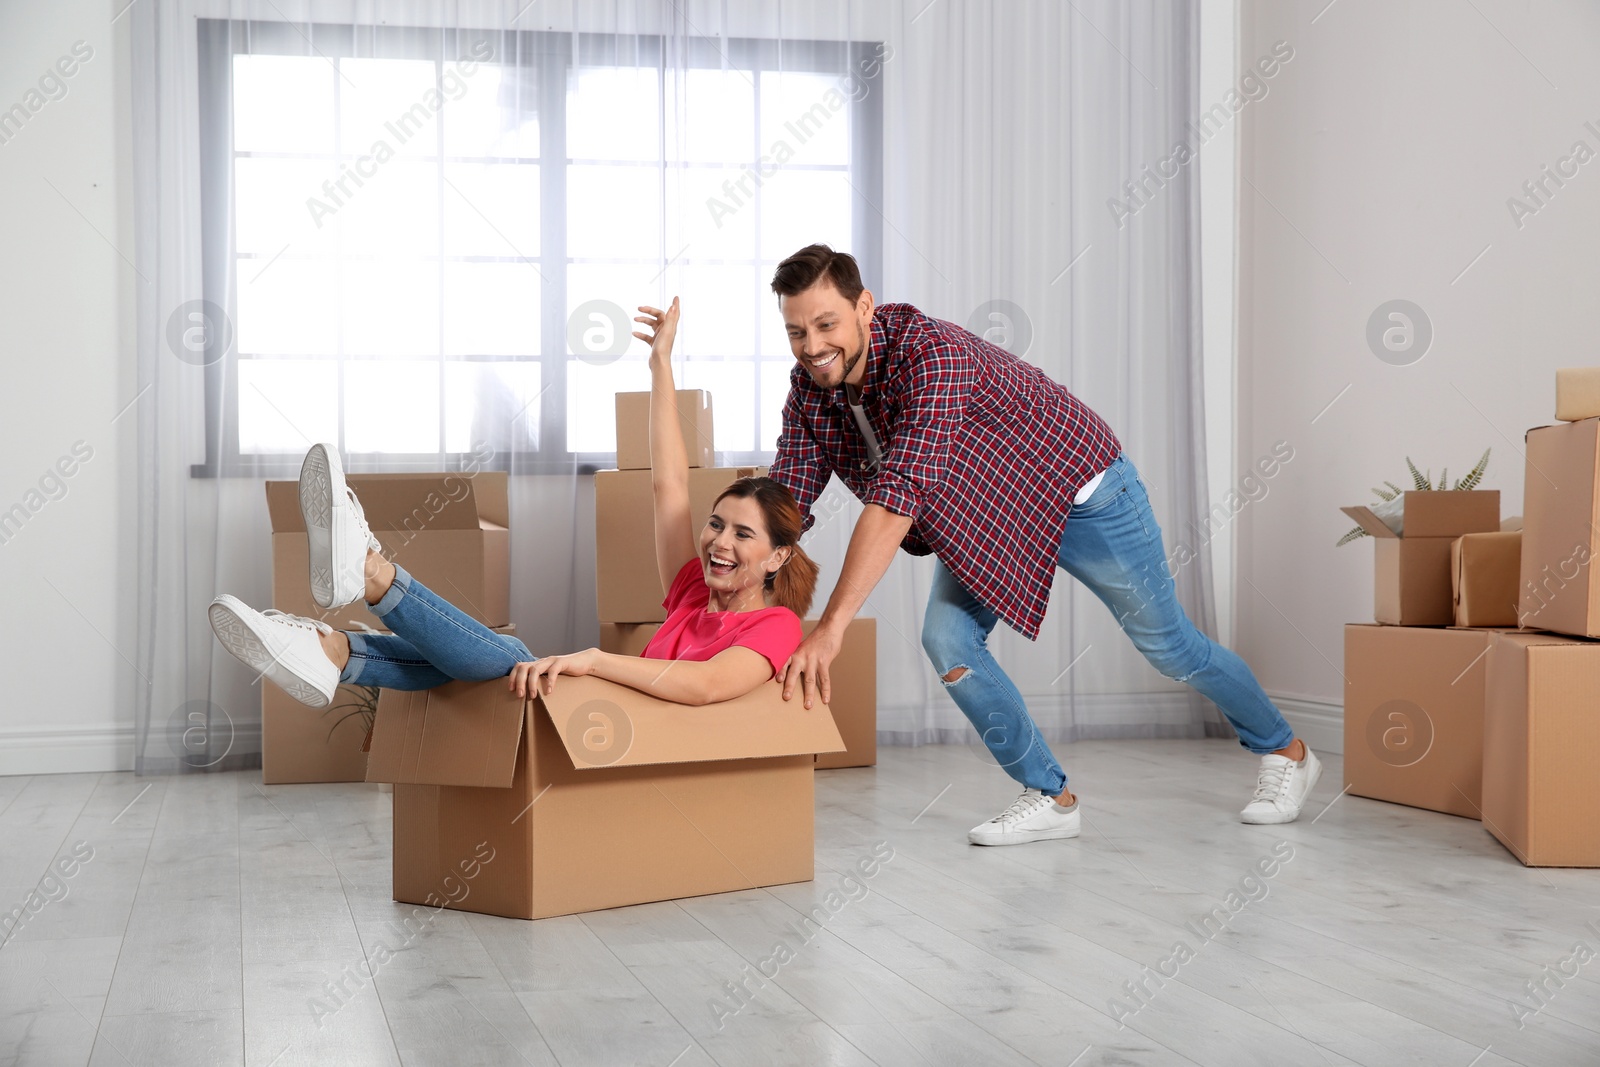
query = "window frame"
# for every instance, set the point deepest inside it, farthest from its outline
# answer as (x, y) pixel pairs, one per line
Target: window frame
(550, 56)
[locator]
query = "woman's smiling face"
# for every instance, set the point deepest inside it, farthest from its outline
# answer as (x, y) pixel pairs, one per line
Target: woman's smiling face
(736, 552)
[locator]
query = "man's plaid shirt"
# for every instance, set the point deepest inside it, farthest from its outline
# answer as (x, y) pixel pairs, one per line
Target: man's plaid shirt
(982, 450)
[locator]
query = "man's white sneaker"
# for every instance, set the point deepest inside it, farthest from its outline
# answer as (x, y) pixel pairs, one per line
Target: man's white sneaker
(286, 649)
(1282, 788)
(336, 530)
(1031, 817)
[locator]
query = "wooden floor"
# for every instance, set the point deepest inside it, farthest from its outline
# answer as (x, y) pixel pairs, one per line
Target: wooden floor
(217, 919)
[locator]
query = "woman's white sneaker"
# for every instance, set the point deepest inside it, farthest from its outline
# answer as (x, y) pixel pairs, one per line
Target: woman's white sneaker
(1031, 817)
(285, 649)
(1282, 786)
(336, 530)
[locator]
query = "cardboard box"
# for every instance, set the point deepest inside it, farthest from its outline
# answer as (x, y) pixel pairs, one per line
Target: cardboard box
(1560, 590)
(1541, 730)
(596, 796)
(633, 429)
(628, 589)
(1411, 574)
(304, 744)
(449, 530)
(1484, 571)
(854, 677)
(1413, 715)
(1577, 393)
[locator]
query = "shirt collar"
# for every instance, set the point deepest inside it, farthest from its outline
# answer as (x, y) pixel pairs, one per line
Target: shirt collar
(875, 360)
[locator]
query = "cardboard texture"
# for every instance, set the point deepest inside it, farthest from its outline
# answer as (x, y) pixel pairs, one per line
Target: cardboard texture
(596, 796)
(1414, 714)
(628, 589)
(304, 744)
(1577, 393)
(1541, 729)
(1560, 591)
(449, 530)
(1484, 571)
(854, 678)
(1411, 574)
(633, 429)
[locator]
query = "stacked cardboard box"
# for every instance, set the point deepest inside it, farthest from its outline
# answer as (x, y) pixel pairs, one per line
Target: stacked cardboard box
(628, 587)
(1491, 718)
(451, 531)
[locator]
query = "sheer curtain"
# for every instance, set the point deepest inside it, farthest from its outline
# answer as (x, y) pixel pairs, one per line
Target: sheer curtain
(418, 229)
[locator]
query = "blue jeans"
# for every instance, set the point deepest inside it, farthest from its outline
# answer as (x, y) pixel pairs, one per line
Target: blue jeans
(433, 642)
(1113, 546)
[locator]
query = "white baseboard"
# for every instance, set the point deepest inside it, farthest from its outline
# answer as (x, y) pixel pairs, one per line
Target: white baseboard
(1318, 722)
(66, 749)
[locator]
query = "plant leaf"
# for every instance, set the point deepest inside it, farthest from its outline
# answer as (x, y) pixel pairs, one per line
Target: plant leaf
(1354, 533)
(1475, 475)
(1419, 480)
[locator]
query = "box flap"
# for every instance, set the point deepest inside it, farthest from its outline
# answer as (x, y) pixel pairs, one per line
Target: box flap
(603, 724)
(1510, 523)
(439, 500)
(1369, 522)
(462, 733)
(1451, 512)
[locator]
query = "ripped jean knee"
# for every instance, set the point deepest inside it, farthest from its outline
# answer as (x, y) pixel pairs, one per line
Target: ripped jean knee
(954, 675)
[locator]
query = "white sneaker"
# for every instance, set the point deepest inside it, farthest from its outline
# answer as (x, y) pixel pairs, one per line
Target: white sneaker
(1031, 817)
(1282, 788)
(336, 530)
(286, 649)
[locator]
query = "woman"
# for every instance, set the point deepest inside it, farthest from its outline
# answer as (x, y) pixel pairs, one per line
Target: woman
(735, 593)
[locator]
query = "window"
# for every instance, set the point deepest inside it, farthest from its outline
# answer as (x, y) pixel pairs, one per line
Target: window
(430, 243)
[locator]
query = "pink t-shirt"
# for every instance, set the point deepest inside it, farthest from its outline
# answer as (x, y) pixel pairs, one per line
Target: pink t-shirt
(692, 632)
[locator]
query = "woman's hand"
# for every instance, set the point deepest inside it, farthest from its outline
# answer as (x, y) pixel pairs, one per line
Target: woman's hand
(525, 677)
(663, 326)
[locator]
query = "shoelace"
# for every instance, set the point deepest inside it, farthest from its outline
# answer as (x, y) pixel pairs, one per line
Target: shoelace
(1024, 806)
(361, 517)
(298, 620)
(1274, 782)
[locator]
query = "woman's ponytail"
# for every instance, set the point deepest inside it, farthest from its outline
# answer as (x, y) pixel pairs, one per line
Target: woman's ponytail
(795, 583)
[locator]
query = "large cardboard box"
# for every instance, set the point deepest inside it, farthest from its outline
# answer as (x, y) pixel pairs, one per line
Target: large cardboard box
(1411, 574)
(1541, 731)
(1560, 590)
(853, 677)
(449, 530)
(1484, 570)
(1577, 393)
(305, 744)
(633, 429)
(1413, 715)
(628, 589)
(596, 796)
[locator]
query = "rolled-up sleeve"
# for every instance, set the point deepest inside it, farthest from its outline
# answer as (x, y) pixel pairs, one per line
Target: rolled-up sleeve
(934, 387)
(800, 465)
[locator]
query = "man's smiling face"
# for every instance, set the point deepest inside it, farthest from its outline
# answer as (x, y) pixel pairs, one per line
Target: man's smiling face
(828, 334)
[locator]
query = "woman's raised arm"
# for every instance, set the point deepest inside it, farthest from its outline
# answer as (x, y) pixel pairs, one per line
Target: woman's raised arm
(669, 460)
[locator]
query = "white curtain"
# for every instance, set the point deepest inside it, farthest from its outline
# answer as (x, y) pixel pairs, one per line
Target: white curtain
(591, 157)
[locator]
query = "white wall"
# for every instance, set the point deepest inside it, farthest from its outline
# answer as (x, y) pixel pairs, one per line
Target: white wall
(63, 293)
(1380, 167)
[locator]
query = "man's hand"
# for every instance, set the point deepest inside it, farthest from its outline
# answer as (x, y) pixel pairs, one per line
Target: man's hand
(808, 667)
(525, 677)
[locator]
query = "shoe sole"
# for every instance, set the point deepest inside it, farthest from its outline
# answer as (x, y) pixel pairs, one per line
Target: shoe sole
(1278, 818)
(321, 484)
(241, 639)
(1021, 838)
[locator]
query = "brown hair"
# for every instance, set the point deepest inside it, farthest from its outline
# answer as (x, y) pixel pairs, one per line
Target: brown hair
(794, 583)
(818, 263)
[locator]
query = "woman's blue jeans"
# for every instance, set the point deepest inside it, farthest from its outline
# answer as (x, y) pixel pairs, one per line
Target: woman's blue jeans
(433, 642)
(1113, 546)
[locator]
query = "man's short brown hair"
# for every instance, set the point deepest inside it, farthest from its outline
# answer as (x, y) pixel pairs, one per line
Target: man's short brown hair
(818, 263)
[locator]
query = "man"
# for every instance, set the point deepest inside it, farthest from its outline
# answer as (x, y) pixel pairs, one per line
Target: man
(960, 449)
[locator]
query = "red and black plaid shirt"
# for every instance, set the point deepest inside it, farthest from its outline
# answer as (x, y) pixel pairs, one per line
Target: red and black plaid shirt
(982, 450)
